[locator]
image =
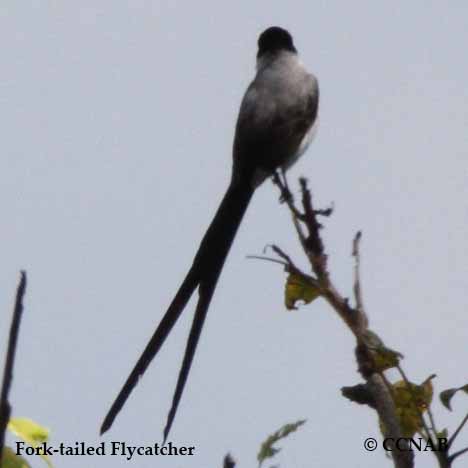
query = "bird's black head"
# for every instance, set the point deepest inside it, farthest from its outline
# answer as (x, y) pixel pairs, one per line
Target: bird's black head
(273, 40)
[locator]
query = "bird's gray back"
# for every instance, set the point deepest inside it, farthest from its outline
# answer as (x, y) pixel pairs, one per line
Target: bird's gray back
(278, 109)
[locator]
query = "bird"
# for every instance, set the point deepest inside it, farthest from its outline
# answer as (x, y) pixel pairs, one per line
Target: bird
(277, 120)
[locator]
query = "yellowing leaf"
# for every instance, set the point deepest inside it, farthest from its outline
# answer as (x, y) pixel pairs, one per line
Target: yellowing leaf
(30, 432)
(383, 357)
(410, 421)
(299, 288)
(11, 460)
(411, 400)
(410, 394)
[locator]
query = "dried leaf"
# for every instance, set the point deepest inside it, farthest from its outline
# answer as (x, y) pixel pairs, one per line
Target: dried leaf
(299, 288)
(447, 395)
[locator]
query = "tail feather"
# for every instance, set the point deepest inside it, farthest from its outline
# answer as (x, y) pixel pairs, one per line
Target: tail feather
(212, 253)
(204, 273)
(154, 345)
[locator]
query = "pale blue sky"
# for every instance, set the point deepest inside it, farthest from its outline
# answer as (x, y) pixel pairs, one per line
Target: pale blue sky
(117, 121)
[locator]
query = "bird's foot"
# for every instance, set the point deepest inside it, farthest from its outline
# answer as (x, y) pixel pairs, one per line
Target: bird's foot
(279, 179)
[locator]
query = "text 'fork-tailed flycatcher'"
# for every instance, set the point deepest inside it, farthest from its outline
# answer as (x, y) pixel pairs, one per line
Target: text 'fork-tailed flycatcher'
(277, 121)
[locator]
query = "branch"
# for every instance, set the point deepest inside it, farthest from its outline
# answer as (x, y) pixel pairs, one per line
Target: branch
(308, 228)
(387, 414)
(357, 277)
(5, 408)
(457, 454)
(459, 428)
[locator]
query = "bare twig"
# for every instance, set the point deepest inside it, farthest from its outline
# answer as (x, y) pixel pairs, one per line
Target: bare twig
(297, 217)
(267, 259)
(457, 454)
(286, 195)
(457, 431)
(357, 278)
(278, 251)
(314, 243)
(431, 420)
(5, 407)
(357, 282)
(315, 251)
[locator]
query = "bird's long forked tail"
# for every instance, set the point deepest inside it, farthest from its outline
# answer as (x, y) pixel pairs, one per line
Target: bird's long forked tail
(204, 274)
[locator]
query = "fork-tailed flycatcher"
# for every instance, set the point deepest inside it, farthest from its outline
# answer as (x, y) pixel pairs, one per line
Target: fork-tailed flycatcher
(276, 123)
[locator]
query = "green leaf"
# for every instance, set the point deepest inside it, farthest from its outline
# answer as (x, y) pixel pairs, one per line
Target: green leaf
(267, 450)
(11, 460)
(447, 395)
(299, 288)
